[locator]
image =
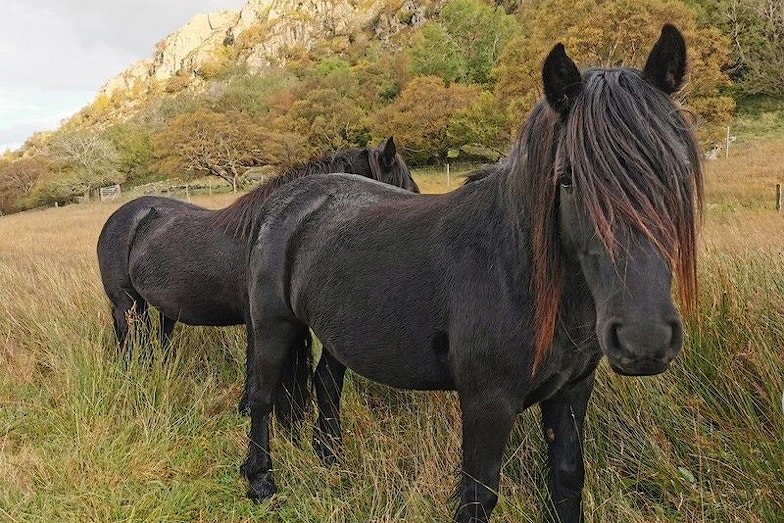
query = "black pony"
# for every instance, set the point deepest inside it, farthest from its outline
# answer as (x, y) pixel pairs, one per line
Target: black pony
(509, 289)
(189, 261)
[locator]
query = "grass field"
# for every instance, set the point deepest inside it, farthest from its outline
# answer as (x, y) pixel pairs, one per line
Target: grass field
(88, 437)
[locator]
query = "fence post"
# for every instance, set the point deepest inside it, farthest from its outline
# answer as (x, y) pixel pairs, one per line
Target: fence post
(778, 197)
(727, 148)
(447, 175)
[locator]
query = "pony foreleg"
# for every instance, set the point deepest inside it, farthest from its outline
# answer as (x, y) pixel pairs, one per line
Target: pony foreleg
(487, 422)
(562, 421)
(243, 407)
(327, 438)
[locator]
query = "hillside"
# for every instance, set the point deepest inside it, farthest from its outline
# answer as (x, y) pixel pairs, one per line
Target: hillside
(262, 34)
(282, 81)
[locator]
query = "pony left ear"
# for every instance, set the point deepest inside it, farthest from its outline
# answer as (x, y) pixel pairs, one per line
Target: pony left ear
(562, 81)
(666, 65)
(388, 151)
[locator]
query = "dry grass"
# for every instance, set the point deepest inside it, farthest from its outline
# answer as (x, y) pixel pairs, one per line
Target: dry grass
(86, 436)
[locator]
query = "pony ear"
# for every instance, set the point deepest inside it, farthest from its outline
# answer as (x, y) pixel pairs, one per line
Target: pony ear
(562, 81)
(666, 65)
(388, 151)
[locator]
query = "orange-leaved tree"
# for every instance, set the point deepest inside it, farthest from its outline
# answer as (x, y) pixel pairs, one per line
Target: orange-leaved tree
(614, 33)
(223, 144)
(419, 118)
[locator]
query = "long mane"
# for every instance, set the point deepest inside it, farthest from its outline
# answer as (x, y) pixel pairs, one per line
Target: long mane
(635, 163)
(237, 219)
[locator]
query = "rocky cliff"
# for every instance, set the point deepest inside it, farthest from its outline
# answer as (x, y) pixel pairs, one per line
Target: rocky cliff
(266, 30)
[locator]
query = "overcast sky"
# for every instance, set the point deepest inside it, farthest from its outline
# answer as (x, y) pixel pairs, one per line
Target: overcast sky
(56, 54)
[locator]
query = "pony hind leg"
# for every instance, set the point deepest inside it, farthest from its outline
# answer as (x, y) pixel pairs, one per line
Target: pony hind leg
(327, 438)
(127, 311)
(487, 422)
(272, 342)
(166, 326)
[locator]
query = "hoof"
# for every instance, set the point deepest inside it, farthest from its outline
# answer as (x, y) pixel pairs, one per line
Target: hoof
(262, 488)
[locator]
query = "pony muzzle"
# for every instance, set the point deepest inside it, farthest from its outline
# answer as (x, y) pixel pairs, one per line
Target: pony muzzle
(641, 348)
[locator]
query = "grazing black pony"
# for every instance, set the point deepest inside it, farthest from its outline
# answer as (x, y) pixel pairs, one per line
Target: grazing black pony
(189, 261)
(509, 289)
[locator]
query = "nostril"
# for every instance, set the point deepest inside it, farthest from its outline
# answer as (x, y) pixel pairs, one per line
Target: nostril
(615, 341)
(612, 340)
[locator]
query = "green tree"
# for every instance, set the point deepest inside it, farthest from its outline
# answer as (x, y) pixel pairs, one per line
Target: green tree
(327, 119)
(255, 94)
(210, 143)
(464, 45)
(756, 30)
(481, 32)
(435, 53)
(482, 122)
(134, 146)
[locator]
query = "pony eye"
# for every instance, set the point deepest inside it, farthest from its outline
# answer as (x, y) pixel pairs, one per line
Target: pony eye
(565, 181)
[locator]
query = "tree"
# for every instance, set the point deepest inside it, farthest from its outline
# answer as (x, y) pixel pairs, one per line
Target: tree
(210, 143)
(614, 33)
(419, 118)
(481, 32)
(17, 179)
(22, 174)
(756, 30)
(464, 45)
(327, 119)
(435, 53)
(482, 122)
(254, 94)
(81, 161)
(134, 147)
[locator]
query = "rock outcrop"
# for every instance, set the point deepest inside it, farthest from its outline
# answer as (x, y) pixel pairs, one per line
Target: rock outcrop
(182, 52)
(268, 30)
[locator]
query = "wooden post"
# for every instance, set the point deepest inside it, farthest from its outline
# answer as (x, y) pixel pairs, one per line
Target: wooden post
(778, 197)
(447, 175)
(727, 148)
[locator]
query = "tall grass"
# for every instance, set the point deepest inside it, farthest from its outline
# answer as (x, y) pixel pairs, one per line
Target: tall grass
(88, 434)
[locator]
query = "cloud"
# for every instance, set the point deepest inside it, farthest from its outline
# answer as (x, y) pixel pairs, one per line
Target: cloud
(57, 53)
(26, 111)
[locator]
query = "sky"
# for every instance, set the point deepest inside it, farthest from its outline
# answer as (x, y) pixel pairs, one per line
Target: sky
(56, 54)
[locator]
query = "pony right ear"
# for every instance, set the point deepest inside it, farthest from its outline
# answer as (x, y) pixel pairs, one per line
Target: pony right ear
(666, 65)
(562, 80)
(388, 151)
